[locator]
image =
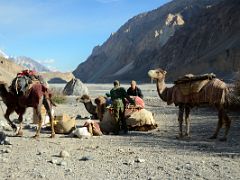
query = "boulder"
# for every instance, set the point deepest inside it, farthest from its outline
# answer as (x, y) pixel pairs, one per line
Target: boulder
(75, 87)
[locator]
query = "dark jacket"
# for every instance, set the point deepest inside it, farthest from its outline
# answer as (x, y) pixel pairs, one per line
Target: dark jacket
(135, 92)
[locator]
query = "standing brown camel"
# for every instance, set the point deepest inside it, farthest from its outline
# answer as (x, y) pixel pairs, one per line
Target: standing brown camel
(35, 97)
(90, 107)
(214, 92)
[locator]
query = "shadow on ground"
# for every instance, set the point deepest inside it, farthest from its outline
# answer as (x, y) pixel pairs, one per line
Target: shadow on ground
(204, 122)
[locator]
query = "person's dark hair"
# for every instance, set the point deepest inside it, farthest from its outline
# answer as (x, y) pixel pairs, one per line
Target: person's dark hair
(116, 83)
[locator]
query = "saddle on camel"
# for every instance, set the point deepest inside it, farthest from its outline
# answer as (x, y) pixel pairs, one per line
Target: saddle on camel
(137, 118)
(27, 90)
(191, 91)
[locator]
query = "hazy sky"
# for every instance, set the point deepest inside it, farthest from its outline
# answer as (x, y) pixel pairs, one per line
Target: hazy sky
(62, 33)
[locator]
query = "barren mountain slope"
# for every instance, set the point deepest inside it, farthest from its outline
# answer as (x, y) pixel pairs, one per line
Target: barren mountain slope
(8, 70)
(182, 36)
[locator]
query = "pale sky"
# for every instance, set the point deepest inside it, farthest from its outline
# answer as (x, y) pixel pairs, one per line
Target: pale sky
(62, 33)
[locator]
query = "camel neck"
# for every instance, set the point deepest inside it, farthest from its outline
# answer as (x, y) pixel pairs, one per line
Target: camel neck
(162, 89)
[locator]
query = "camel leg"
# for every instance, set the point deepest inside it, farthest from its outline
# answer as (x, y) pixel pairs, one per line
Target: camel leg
(20, 120)
(6, 115)
(187, 120)
(48, 108)
(219, 125)
(227, 122)
(180, 120)
(39, 115)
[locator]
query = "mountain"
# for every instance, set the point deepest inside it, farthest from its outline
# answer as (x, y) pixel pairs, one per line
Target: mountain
(3, 54)
(8, 70)
(30, 64)
(57, 77)
(183, 36)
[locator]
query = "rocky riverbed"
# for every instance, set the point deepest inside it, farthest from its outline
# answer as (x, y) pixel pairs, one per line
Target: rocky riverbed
(138, 155)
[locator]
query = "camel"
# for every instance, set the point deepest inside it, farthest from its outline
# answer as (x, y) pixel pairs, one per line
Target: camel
(35, 97)
(214, 93)
(90, 107)
(101, 103)
(137, 120)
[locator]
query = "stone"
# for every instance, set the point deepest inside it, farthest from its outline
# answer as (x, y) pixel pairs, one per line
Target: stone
(139, 160)
(8, 151)
(129, 163)
(54, 161)
(86, 158)
(63, 163)
(75, 87)
(69, 170)
(64, 154)
(188, 167)
(3, 139)
(178, 168)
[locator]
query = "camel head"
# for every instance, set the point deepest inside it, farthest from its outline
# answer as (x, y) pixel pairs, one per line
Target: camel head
(100, 100)
(84, 99)
(157, 74)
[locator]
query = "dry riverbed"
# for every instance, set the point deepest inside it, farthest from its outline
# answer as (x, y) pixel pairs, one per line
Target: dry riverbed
(139, 155)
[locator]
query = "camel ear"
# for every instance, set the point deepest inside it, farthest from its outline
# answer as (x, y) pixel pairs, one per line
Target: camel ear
(164, 72)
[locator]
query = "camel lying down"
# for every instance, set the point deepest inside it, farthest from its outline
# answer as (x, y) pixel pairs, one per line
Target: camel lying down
(212, 91)
(139, 120)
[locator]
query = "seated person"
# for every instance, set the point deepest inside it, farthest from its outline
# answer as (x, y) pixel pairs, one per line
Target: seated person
(134, 90)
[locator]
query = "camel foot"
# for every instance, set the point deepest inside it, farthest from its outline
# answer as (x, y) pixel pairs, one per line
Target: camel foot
(213, 137)
(224, 139)
(14, 127)
(52, 136)
(36, 136)
(187, 135)
(180, 136)
(20, 134)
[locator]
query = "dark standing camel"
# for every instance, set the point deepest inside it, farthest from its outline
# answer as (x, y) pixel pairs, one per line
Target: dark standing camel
(36, 96)
(215, 93)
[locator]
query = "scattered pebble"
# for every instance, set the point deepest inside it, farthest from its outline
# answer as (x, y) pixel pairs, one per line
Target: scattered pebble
(69, 170)
(78, 117)
(139, 160)
(178, 168)
(64, 154)
(198, 174)
(54, 161)
(63, 163)
(6, 151)
(86, 158)
(129, 163)
(188, 166)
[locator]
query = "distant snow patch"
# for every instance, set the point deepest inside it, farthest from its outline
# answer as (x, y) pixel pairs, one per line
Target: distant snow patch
(3, 54)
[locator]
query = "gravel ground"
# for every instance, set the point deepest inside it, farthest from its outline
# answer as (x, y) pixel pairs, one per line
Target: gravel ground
(138, 155)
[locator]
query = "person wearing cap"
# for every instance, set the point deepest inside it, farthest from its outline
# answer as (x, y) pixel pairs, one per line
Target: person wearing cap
(134, 90)
(118, 95)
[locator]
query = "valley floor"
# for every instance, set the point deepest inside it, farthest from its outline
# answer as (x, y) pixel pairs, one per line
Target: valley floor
(138, 155)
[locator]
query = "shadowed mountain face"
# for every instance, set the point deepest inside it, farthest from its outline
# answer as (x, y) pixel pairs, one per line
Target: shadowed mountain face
(183, 36)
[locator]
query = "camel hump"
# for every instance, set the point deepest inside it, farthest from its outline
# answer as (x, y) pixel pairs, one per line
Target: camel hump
(188, 78)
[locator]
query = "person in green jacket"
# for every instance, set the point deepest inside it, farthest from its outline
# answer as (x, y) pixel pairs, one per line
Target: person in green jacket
(118, 95)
